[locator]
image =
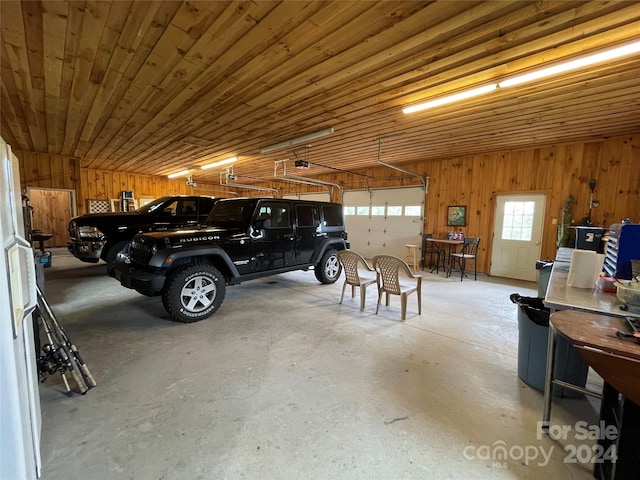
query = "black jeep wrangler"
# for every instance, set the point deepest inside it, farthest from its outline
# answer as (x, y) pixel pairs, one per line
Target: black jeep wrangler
(98, 236)
(242, 239)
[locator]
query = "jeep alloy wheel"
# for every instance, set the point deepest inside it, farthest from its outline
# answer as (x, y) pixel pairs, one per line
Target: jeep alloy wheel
(329, 268)
(193, 293)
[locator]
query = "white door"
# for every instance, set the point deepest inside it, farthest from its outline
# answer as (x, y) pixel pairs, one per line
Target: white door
(517, 236)
(383, 221)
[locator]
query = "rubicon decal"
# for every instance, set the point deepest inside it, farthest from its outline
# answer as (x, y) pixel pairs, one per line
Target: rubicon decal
(200, 239)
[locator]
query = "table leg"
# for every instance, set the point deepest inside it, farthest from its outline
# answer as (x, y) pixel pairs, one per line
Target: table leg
(448, 264)
(548, 379)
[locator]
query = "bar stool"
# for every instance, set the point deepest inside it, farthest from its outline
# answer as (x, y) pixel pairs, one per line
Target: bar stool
(411, 257)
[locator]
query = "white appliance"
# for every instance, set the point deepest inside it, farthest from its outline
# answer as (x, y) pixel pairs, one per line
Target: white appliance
(20, 420)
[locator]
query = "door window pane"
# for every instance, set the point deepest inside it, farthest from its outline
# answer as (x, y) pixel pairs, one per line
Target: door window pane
(518, 221)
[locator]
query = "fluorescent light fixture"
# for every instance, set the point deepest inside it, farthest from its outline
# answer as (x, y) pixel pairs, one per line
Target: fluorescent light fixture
(219, 163)
(179, 174)
(607, 55)
(451, 98)
(295, 141)
(572, 65)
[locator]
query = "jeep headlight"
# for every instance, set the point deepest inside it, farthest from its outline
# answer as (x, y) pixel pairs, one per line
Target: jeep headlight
(90, 233)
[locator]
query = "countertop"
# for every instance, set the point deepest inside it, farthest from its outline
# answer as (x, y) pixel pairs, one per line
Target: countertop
(559, 296)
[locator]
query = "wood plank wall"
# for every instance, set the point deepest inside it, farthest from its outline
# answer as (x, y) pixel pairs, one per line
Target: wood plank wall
(557, 171)
(474, 181)
(57, 171)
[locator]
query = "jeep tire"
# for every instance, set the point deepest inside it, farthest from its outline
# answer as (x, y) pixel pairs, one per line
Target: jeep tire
(328, 270)
(193, 293)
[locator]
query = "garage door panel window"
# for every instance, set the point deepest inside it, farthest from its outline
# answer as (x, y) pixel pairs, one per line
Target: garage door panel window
(377, 211)
(364, 211)
(413, 211)
(394, 210)
(349, 211)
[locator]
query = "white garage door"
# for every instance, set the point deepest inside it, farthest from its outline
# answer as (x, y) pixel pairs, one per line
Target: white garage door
(316, 197)
(384, 221)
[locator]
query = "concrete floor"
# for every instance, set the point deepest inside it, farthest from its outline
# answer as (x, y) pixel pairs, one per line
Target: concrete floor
(285, 383)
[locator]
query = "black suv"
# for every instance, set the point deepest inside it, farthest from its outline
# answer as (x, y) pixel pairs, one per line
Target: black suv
(102, 235)
(243, 239)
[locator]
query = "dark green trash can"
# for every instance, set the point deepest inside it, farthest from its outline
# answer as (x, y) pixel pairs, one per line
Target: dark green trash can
(533, 339)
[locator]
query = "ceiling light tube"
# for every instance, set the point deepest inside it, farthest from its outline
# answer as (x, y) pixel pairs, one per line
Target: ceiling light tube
(573, 64)
(219, 163)
(179, 174)
(295, 141)
(474, 92)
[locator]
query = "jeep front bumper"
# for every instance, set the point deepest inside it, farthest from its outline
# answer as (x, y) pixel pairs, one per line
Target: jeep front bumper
(141, 281)
(86, 251)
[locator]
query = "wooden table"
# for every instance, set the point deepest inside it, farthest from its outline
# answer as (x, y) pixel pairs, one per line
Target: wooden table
(617, 361)
(450, 243)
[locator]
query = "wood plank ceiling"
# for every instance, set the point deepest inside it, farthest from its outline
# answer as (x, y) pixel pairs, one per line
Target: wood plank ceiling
(156, 87)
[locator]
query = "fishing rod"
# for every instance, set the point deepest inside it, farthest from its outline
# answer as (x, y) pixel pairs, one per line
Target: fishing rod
(60, 354)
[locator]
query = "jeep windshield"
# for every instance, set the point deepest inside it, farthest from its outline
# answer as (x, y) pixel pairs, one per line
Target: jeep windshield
(236, 214)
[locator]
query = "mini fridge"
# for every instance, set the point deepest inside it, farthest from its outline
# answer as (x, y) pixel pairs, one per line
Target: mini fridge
(20, 419)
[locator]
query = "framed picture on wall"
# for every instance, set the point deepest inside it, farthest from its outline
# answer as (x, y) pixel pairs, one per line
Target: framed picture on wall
(457, 215)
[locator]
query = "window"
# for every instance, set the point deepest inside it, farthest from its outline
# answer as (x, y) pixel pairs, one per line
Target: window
(377, 211)
(206, 204)
(517, 222)
(332, 215)
(307, 215)
(188, 207)
(231, 214)
(277, 214)
(394, 210)
(170, 208)
(412, 210)
(363, 211)
(349, 210)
